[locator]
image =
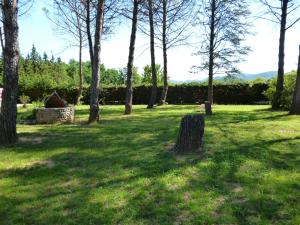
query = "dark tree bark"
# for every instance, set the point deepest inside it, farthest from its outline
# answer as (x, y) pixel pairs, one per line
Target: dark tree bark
(190, 134)
(1, 40)
(295, 108)
(211, 52)
(8, 115)
(80, 90)
(208, 110)
(94, 89)
(165, 55)
(152, 99)
(129, 88)
(88, 30)
(276, 104)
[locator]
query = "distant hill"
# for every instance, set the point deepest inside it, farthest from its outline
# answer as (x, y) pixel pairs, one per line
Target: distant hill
(266, 75)
(248, 76)
(243, 76)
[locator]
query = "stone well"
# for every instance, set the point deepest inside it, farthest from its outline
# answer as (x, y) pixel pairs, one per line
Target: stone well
(55, 115)
(56, 110)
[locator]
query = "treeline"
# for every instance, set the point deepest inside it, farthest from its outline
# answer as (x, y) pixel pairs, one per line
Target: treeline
(39, 75)
(40, 70)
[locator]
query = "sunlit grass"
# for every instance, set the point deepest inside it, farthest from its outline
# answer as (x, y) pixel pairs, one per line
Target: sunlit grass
(120, 170)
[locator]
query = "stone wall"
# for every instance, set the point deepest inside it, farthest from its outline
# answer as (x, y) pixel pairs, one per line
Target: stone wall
(55, 115)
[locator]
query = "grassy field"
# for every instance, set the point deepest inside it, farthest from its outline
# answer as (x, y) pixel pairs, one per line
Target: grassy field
(120, 171)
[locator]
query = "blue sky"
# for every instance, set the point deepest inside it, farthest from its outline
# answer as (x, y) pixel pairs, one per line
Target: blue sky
(36, 29)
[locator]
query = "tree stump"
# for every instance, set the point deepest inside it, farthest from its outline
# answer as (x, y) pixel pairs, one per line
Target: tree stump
(190, 134)
(208, 110)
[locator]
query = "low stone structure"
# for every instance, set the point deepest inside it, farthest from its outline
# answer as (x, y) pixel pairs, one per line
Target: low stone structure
(55, 115)
(56, 111)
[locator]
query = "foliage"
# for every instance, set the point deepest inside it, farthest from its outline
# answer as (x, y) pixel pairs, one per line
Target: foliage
(39, 77)
(225, 26)
(147, 75)
(287, 94)
(137, 78)
(24, 99)
(121, 172)
(38, 104)
(242, 93)
(36, 71)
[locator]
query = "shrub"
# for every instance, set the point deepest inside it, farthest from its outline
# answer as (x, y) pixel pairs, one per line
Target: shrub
(24, 100)
(178, 94)
(288, 91)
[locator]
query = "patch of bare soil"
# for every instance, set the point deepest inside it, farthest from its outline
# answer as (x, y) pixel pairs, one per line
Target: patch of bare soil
(235, 187)
(48, 163)
(31, 140)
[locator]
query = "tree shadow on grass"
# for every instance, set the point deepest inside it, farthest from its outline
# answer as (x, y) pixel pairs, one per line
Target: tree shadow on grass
(75, 177)
(119, 172)
(84, 159)
(225, 117)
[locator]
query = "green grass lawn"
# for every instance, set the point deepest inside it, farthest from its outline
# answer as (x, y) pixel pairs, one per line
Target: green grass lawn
(120, 171)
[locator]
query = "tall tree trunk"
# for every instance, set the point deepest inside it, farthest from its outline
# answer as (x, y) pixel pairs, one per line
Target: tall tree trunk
(295, 108)
(129, 88)
(94, 90)
(80, 90)
(88, 30)
(1, 40)
(276, 104)
(8, 115)
(152, 99)
(211, 52)
(165, 56)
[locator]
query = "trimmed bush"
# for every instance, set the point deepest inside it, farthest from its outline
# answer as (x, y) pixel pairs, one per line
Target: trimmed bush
(179, 94)
(288, 91)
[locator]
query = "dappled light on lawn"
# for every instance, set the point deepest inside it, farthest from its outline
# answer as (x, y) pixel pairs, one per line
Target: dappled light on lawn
(121, 171)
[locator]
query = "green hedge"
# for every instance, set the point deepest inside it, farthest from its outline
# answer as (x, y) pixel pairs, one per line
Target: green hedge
(288, 91)
(180, 94)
